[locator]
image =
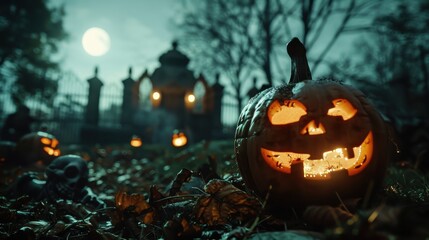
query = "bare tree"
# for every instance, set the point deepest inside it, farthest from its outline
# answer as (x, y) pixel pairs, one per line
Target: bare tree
(324, 21)
(391, 64)
(218, 32)
(241, 38)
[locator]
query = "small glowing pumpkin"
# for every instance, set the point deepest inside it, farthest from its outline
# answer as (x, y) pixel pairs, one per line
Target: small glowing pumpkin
(179, 139)
(309, 140)
(37, 147)
(136, 141)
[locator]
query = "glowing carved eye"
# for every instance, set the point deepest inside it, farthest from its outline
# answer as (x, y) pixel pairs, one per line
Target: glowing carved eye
(343, 108)
(54, 143)
(45, 141)
(49, 150)
(291, 111)
(57, 152)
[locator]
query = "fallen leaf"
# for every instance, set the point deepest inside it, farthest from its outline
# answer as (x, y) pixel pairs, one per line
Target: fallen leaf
(137, 202)
(224, 203)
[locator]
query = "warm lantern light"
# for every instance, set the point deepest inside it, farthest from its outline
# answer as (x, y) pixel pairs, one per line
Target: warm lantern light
(191, 98)
(156, 96)
(179, 139)
(136, 141)
(313, 129)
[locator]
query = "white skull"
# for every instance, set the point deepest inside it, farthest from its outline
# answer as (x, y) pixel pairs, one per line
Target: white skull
(67, 175)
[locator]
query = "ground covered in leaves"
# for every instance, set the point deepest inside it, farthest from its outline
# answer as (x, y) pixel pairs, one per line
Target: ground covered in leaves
(155, 192)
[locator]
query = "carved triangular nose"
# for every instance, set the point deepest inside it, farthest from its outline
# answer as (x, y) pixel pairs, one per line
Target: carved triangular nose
(313, 129)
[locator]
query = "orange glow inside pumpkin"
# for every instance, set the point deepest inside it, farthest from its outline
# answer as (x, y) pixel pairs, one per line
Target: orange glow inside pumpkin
(51, 151)
(136, 142)
(333, 160)
(54, 143)
(291, 111)
(50, 146)
(45, 140)
(313, 129)
(179, 139)
(343, 108)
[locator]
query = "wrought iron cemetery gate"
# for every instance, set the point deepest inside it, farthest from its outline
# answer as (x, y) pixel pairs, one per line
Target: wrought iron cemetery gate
(67, 114)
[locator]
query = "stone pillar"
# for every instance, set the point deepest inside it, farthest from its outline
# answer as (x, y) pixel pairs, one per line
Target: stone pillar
(93, 105)
(217, 91)
(129, 100)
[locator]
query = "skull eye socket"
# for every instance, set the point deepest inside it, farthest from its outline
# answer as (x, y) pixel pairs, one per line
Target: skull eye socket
(289, 112)
(71, 172)
(342, 107)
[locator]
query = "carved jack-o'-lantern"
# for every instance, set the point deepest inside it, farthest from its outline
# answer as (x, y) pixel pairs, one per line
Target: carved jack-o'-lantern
(37, 146)
(179, 139)
(136, 141)
(310, 140)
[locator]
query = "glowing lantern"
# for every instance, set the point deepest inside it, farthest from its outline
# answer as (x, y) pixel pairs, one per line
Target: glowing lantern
(136, 141)
(190, 100)
(310, 140)
(179, 139)
(37, 146)
(156, 98)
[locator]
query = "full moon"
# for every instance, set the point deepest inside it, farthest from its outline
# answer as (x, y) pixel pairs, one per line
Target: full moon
(96, 41)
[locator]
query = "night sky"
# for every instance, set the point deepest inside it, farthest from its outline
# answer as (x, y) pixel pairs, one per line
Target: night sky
(139, 32)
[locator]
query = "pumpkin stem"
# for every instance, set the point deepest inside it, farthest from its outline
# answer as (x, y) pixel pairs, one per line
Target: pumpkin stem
(299, 64)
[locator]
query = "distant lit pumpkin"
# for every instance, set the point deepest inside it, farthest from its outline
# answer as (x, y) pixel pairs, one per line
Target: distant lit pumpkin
(136, 141)
(37, 147)
(179, 139)
(310, 140)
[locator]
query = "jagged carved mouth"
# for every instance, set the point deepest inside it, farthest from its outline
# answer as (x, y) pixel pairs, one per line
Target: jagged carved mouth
(333, 160)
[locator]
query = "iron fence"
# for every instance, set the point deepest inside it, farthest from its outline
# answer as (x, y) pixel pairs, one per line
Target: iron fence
(65, 116)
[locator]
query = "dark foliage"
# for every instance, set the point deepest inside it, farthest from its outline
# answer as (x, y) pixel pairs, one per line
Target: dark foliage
(164, 195)
(31, 31)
